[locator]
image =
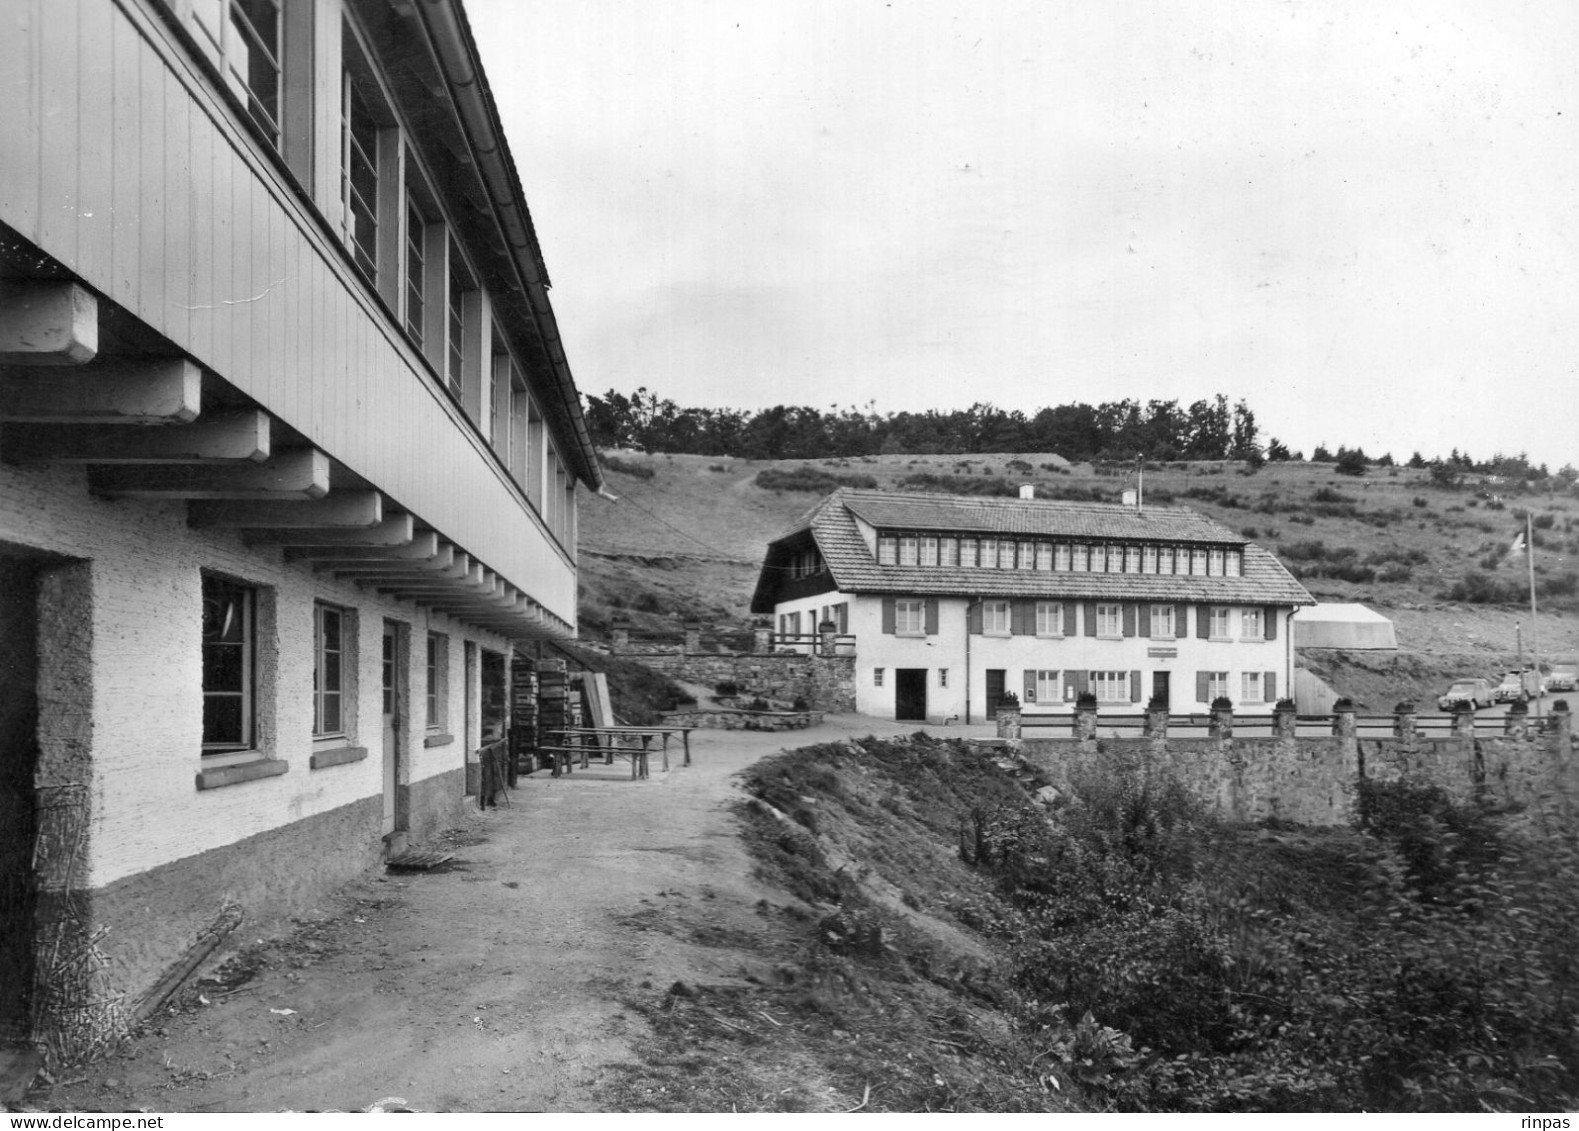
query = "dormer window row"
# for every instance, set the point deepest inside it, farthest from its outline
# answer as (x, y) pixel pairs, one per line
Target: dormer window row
(956, 552)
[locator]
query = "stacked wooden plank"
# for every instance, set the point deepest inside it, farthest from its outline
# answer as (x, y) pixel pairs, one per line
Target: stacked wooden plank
(523, 712)
(554, 704)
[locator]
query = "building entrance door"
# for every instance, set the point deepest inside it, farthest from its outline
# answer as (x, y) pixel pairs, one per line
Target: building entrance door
(910, 694)
(995, 684)
(394, 768)
(1159, 689)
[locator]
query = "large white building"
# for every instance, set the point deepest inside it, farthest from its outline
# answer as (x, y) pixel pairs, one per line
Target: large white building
(953, 601)
(290, 455)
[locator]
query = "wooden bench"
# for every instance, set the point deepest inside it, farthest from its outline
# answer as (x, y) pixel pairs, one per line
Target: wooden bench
(614, 741)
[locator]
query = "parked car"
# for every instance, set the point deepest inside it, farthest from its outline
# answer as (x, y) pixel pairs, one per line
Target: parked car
(1476, 692)
(1519, 685)
(1563, 677)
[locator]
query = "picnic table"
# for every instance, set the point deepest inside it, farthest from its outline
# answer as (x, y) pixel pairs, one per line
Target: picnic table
(569, 744)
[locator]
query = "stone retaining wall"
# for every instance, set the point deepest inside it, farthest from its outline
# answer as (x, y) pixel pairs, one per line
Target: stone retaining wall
(720, 718)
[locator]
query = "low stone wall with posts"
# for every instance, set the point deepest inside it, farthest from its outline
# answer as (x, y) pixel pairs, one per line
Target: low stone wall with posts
(1312, 780)
(825, 679)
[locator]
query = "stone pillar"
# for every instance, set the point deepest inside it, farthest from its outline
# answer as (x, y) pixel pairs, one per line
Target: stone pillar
(1516, 723)
(1085, 718)
(1343, 718)
(826, 631)
(693, 636)
(1222, 722)
(1157, 720)
(761, 639)
(1404, 722)
(1285, 719)
(1008, 722)
(620, 636)
(1463, 720)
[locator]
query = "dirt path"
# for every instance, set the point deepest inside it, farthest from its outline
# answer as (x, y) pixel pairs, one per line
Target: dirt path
(495, 984)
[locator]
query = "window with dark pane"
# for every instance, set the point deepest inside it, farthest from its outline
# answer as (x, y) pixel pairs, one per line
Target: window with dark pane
(328, 671)
(227, 665)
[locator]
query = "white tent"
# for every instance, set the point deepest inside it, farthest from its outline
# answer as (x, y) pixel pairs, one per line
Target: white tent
(1342, 626)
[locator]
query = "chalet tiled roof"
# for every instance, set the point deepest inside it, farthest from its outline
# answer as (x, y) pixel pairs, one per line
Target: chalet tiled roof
(854, 568)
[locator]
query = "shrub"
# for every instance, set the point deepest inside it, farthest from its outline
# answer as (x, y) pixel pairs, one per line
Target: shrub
(809, 479)
(626, 467)
(726, 689)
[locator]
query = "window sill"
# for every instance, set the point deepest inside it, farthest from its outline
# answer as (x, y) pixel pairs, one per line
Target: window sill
(217, 777)
(911, 635)
(336, 756)
(1109, 636)
(1252, 640)
(1221, 639)
(1165, 637)
(1049, 635)
(438, 740)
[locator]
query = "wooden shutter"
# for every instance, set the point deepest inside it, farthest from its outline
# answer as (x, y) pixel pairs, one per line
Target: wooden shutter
(1069, 618)
(1181, 620)
(1270, 694)
(1091, 618)
(973, 619)
(1203, 621)
(1030, 686)
(888, 615)
(1022, 618)
(1128, 617)
(1203, 687)
(1269, 624)
(1134, 687)
(1143, 621)
(931, 622)
(1082, 682)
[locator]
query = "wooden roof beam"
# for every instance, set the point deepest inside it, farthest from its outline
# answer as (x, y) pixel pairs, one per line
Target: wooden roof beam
(396, 530)
(357, 510)
(239, 437)
(422, 547)
(47, 323)
(302, 473)
(151, 391)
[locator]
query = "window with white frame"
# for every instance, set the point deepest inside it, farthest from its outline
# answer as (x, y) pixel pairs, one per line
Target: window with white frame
(969, 552)
(416, 283)
(1110, 687)
(1132, 559)
(1061, 557)
(887, 550)
(910, 617)
(362, 112)
(877, 677)
(1148, 559)
(1252, 686)
(989, 554)
(1079, 558)
(331, 645)
(841, 616)
(942, 677)
(1049, 618)
(1047, 687)
(456, 323)
(995, 618)
(247, 39)
(1214, 563)
(1216, 686)
(1110, 620)
(438, 681)
(1044, 556)
(948, 552)
(1098, 559)
(908, 550)
(929, 551)
(1162, 626)
(1198, 563)
(1219, 620)
(1165, 560)
(1235, 563)
(229, 665)
(1250, 625)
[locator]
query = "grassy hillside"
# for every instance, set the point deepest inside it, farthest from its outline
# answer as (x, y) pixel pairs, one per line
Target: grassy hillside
(688, 533)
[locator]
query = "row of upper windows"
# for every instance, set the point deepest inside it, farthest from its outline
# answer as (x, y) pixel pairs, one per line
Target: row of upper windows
(1043, 687)
(790, 624)
(914, 617)
(1057, 557)
(230, 678)
(390, 220)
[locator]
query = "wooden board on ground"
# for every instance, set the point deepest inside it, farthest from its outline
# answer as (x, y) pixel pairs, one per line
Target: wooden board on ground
(598, 700)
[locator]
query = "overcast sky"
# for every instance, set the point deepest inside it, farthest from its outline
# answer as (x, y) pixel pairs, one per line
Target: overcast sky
(1358, 217)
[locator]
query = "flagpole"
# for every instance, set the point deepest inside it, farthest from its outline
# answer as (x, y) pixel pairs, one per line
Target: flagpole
(1535, 655)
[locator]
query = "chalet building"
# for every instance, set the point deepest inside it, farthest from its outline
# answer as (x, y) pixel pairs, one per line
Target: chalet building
(289, 453)
(953, 601)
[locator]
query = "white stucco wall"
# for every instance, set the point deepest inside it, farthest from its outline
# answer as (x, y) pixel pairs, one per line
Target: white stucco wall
(947, 650)
(146, 663)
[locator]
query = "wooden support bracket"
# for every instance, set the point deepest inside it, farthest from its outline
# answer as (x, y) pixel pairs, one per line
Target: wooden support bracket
(302, 473)
(241, 437)
(423, 547)
(396, 530)
(47, 323)
(155, 391)
(343, 509)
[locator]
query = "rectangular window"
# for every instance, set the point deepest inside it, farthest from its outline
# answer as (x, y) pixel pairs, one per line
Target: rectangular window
(877, 677)
(1198, 563)
(1132, 559)
(1061, 557)
(1098, 559)
(229, 682)
(455, 303)
(1250, 626)
(1110, 620)
(942, 677)
(252, 47)
(929, 551)
(1235, 563)
(1044, 556)
(1148, 559)
(416, 268)
(438, 680)
(1162, 621)
(329, 671)
(1047, 687)
(887, 550)
(359, 172)
(968, 553)
(1251, 682)
(1165, 559)
(948, 552)
(1110, 687)
(841, 617)
(1079, 558)
(1216, 686)
(1049, 618)
(1214, 563)
(995, 618)
(908, 550)
(1219, 628)
(989, 553)
(910, 618)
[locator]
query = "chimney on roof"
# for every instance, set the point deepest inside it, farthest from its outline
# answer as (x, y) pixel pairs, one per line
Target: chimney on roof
(1027, 490)
(1130, 497)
